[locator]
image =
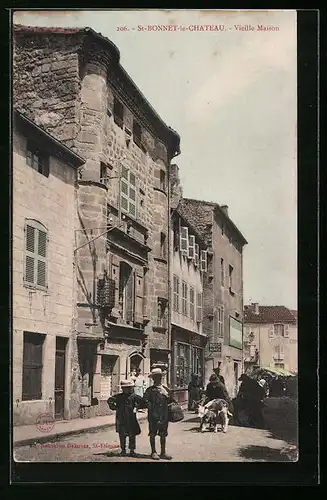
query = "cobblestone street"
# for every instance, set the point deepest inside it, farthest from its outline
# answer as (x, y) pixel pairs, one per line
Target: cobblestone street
(184, 443)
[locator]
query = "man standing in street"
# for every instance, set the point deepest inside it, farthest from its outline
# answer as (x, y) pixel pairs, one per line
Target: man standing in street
(220, 377)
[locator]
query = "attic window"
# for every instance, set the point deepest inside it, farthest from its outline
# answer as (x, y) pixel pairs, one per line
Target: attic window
(137, 134)
(37, 160)
(118, 113)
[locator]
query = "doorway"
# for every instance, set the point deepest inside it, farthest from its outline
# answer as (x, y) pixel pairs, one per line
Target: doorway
(60, 366)
(136, 361)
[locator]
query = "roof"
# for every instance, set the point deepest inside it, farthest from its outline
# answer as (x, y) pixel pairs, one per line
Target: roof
(116, 55)
(268, 314)
(183, 216)
(294, 312)
(217, 207)
(50, 143)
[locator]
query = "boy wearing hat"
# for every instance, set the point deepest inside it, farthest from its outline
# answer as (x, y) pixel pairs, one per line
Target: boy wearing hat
(126, 404)
(157, 398)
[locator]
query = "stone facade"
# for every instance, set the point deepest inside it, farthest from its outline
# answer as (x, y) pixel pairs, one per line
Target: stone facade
(45, 308)
(70, 82)
(223, 288)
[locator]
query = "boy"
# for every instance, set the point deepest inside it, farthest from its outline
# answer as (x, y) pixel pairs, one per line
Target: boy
(157, 397)
(126, 404)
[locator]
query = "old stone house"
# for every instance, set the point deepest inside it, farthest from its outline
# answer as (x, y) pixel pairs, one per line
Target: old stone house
(270, 337)
(188, 252)
(43, 304)
(222, 289)
(71, 83)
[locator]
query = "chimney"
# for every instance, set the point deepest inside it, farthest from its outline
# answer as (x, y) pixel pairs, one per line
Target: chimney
(176, 190)
(255, 307)
(224, 208)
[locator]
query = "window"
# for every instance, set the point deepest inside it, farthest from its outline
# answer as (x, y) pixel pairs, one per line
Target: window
(192, 300)
(278, 351)
(37, 160)
(103, 173)
(36, 242)
(32, 366)
(279, 330)
(163, 246)
(196, 255)
(137, 134)
(191, 246)
(220, 312)
(128, 192)
(222, 272)
(199, 307)
(118, 113)
(163, 180)
(231, 269)
(161, 315)
(184, 298)
(176, 233)
(204, 264)
(126, 292)
(184, 240)
(197, 361)
(176, 294)
(183, 365)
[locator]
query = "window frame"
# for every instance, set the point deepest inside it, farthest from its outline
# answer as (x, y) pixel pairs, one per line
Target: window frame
(276, 329)
(222, 272)
(38, 228)
(220, 321)
(118, 117)
(183, 238)
(204, 261)
(123, 196)
(191, 247)
(199, 307)
(163, 245)
(197, 255)
(43, 159)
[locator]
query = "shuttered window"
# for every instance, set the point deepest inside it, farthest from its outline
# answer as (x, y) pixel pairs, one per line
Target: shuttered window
(196, 254)
(36, 243)
(204, 264)
(279, 330)
(118, 113)
(199, 307)
(220, 313)
(32, 366)
(128, 192)
(191, 246)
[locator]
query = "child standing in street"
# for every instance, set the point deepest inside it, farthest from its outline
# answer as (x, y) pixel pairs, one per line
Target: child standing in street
(126, 404)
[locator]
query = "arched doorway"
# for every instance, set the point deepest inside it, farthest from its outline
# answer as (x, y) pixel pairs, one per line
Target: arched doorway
(135, 362)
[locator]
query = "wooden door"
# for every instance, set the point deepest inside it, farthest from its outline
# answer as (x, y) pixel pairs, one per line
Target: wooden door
(60, 378)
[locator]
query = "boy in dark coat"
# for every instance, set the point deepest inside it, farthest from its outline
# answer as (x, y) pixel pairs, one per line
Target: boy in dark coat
(126, 404)
(157, 398)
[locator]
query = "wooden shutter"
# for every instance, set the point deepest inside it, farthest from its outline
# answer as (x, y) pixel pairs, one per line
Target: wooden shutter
(184, 240)
(139, 294)
(191, 246)
(270, 331)
(41, 258)
(30, 244)
(130, 296)
(286, 331)
(199, 307)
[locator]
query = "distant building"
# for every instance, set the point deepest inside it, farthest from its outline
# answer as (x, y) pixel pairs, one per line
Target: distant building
(222, 288)
(43, 291)
(188, 252)
(270, 337)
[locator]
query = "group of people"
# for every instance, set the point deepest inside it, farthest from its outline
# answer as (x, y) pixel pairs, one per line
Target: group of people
(249, 402)
(156, 398)
(215, 389)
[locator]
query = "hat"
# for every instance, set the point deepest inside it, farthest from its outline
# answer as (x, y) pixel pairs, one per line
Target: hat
(243, 377)
(126, 383)
(213, 377)
(262, 382)
(156, 371)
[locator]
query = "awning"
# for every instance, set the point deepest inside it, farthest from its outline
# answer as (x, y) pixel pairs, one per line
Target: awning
(275, 371)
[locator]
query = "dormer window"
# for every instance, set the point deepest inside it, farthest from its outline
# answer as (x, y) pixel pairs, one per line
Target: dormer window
(191, 246)
(37, 160)
(184, 241)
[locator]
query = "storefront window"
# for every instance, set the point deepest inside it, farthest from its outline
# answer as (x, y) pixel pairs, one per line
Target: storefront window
(188, 360)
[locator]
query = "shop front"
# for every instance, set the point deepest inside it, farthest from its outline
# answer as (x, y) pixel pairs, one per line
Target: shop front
(188, 358)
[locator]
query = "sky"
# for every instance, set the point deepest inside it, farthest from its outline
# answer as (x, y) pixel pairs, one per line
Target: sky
(232, 97)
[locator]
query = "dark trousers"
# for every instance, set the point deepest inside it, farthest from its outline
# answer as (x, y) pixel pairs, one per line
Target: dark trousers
(132, 442)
